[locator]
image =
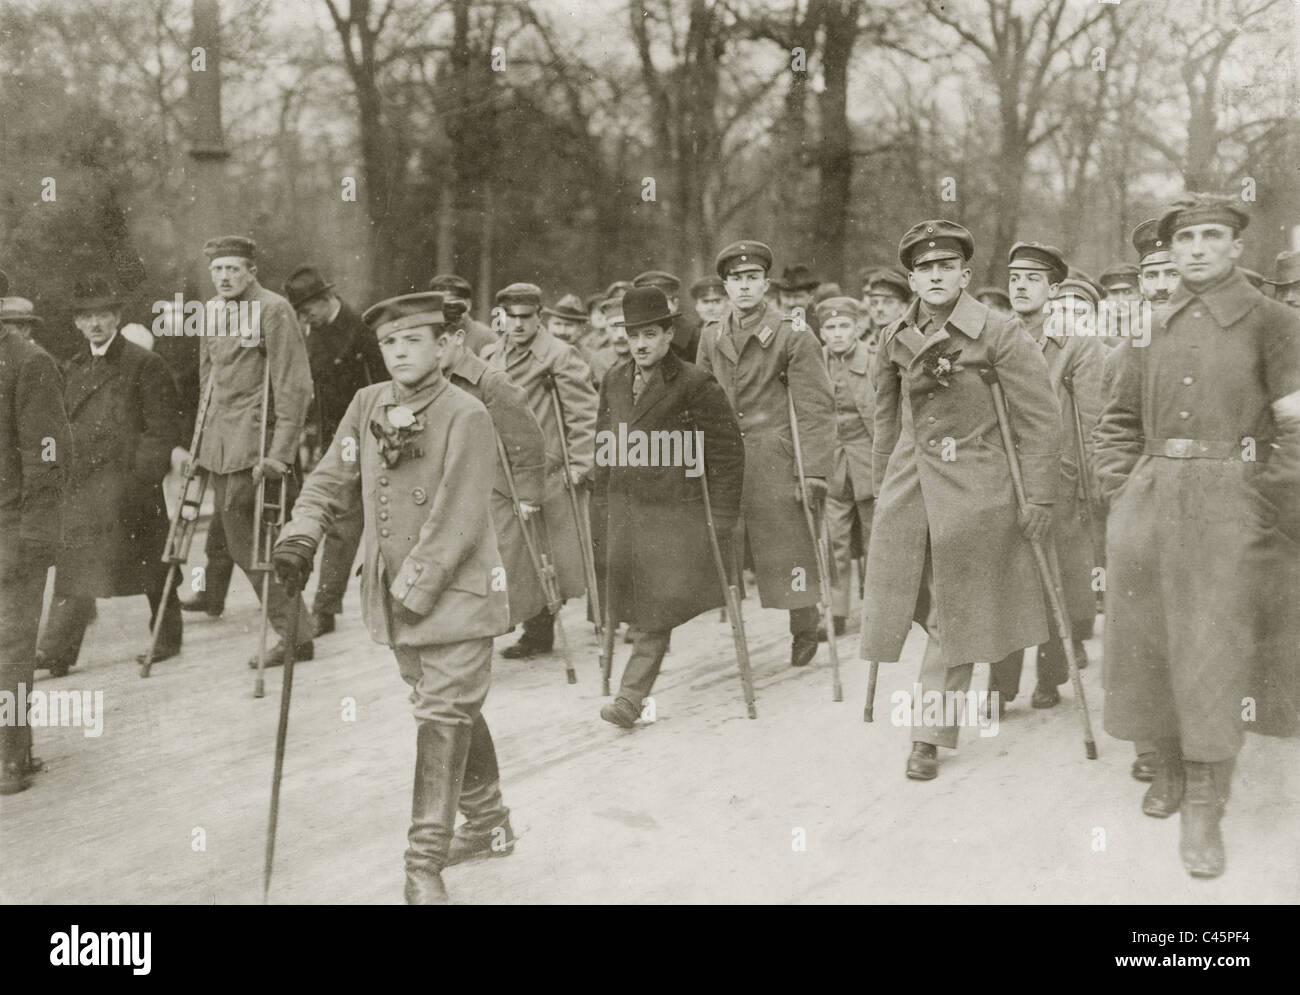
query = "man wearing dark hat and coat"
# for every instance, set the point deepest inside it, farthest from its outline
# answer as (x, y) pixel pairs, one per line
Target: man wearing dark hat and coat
(1286, 278)
(239, 353)
(686, 327)
(533, 359)
(650, 519)
(761, 360)
(457, 289)
(947, 520)
(121, 403)
(344, 358)
(795, 292)
(432, 584)
(1198, 452)
(35, 450)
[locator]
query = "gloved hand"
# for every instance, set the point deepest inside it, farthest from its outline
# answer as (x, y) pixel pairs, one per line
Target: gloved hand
(815, 491)
(1035, 521)
(272, 469)
(577, 476)
(527, 510)
(292, 561)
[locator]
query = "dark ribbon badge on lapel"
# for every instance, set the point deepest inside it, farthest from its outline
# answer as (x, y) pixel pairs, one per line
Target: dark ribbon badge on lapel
(397, 438)
(942, 365)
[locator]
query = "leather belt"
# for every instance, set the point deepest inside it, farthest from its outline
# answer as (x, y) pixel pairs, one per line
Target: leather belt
(1192, 448)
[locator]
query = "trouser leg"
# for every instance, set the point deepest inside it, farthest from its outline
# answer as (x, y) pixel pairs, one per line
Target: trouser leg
(236, 494)
(1053, 669)
(337, 556)
(23, 570)
(220, 566)
(935, 678)
(840, 514)
(1004, 675)
(642, 668)
(155, 581)
(65, 629)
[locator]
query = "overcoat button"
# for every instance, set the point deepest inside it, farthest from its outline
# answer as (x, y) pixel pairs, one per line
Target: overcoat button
(1188, 381)
(384, 533)
(933, 443)
(383, 516)
(383, 481)
(1184, 415)
(383, 498)
(419, 495)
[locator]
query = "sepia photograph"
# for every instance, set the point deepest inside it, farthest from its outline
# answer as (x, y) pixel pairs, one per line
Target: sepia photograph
(651, 452)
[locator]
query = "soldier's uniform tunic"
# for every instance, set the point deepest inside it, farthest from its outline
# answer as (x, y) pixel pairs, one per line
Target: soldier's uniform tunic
(849, 494)
(231, 434)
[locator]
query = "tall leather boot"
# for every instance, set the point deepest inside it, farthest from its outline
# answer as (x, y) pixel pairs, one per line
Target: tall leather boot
(440, 753)
(1165, 795)
(1200, 842)
(486, 830)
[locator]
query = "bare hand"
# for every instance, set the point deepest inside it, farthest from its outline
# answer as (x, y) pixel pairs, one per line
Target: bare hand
(527, 511)
(576, 476)
(272, 469)
(813, 492)
(1035, 521)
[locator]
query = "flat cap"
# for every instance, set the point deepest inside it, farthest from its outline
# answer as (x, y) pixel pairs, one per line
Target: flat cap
(743, 253)
(666, 282)
(230, 245)
(997, 293)
(931, 240)
(612, 308)
(18, 309)
(710, 286)
(1036, 255)
(1203, 209)
(1150, 243)
(797, 277)
(407, 311)
(838, 307)
(450, 283)
(1119, 275)
(1078, 288)
(568, 308)
(887, 280)
(520, 295)
(1286, 269)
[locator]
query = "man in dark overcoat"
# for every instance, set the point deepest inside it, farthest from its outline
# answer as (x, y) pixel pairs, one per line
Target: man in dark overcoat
(35, 449)
(121, 401)
(946, 514)
(344, 358)
(659, 560)
(1198, 454)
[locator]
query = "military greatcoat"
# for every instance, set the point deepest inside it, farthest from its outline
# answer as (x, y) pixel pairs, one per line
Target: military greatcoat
(943, 486)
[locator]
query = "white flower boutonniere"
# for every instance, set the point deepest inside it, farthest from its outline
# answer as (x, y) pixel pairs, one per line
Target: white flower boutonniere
(400, 416)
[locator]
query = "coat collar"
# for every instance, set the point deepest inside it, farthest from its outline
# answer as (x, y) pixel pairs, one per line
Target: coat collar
(734, 333)
(1228, 301)
(87, 377)
(858, 358)
(469, 367)
(968, 317)
(416, 401)
(1034, 327)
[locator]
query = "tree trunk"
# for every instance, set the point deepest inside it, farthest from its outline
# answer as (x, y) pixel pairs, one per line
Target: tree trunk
(835, 153)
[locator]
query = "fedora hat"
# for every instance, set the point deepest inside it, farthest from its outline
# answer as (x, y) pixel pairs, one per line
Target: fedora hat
(93, 293)
(645, 306)
(1286, 269)
(567, 308)
(18, 310)
(304, 284)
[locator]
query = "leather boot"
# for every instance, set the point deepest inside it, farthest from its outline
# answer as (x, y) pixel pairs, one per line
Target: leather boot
(1200, 842)
(486, 830)
(923, 764)
(14, 750)
(441, 750)
(538, 638)
(1165, 795)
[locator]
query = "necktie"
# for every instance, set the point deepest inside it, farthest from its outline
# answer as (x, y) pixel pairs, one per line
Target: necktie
(638, 385)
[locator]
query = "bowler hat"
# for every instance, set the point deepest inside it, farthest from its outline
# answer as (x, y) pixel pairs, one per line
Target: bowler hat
(406, 311)
(304, 284)
(796, 277)
(931, 240)
(568, 308)
(1286, 269)
(230, 245)
(93, 293)
(18, 309)
(645, 306)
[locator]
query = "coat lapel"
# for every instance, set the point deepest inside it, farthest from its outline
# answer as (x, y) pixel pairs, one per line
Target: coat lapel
(91, 376)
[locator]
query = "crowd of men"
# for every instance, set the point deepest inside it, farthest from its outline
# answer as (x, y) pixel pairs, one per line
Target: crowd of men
(1155, 456)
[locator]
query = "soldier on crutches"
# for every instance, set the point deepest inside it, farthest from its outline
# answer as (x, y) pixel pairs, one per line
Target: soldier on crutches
(252, 345)
(946, 511)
